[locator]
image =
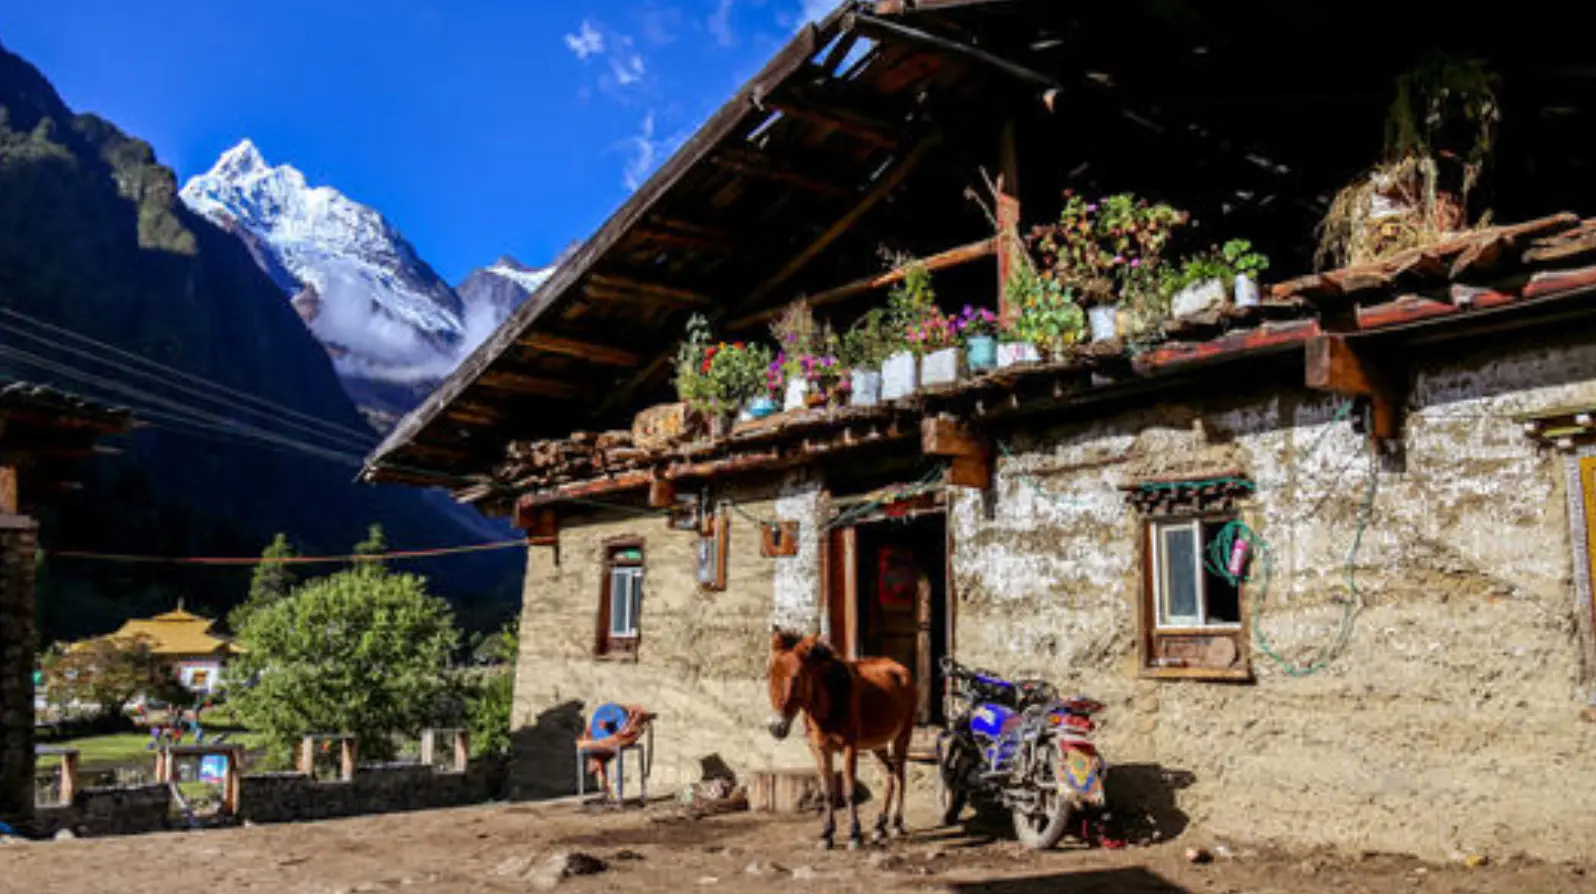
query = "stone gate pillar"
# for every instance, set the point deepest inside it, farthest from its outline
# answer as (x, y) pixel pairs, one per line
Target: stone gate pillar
(18, 544)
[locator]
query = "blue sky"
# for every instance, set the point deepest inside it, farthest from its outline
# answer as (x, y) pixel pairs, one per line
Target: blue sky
(479, 127)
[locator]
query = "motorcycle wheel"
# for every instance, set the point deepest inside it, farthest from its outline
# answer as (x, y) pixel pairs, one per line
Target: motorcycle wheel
(951, 795)
(1044, 828)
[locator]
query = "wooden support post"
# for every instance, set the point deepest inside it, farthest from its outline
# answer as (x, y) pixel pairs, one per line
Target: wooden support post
(1338, 366)
(661, 494)
(429, 741)
(1008, 220)
(462, 750)
(307, 755)
(69, 776)
(970, 451)
(8, 490)
(346, 754)
(232, 784)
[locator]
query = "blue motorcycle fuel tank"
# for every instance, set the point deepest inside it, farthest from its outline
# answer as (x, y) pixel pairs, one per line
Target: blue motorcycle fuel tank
(988, 720)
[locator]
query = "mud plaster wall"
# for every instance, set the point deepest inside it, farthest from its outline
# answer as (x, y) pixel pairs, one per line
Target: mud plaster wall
(1448, 724)
(701, 657)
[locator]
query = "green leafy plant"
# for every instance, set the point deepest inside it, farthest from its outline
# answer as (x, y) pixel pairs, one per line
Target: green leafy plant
(1098, 248)
(912, 306)
(797, 335)
(718, 376)
(270, 581)
(1243, 261)
(692, 380)
(1049, 316)
(868, 342)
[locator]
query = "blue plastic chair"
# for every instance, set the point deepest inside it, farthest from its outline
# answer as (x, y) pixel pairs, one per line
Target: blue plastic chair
(606, 719)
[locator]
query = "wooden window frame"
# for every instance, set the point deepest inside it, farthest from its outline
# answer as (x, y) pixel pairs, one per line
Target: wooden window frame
(607, 645)
(1154, 634)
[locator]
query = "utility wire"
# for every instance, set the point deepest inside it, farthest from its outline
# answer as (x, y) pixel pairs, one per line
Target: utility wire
(366, 437)
(283, 560)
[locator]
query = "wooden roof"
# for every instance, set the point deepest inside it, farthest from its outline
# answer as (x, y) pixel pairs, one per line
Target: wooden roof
(1250, 113)
(175, 633)
(44, 432)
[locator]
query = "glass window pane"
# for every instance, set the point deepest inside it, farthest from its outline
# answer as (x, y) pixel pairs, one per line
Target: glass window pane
(1179, 574)
(620, 620)
(634, 597)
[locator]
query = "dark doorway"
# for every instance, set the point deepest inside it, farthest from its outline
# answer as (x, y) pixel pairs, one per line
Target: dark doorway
(888, 596)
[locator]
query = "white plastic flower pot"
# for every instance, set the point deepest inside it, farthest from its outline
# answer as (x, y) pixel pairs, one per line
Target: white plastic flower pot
(864, 387)
(1199, 297)
(942, 367)
(1013, 353)
(1104, 322)
(795, 396)
(1246, 291)
(900, 376)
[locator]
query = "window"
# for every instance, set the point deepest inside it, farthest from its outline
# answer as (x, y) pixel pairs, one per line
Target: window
(1194, 625)
(199, 679)
(621, 600)
(1187, 593)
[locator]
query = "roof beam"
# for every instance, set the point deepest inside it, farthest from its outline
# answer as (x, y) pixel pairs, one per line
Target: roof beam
(613, 287)
(883, 30)
(585, 350)
(835, 113)
(756, 164)
(883, 187)
(521, 383)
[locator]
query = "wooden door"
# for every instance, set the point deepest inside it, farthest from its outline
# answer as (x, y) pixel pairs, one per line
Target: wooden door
(1587, 488)
(924, 672)
(841, 589)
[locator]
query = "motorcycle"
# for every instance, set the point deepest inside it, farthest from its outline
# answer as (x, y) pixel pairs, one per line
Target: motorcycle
(1017, 745)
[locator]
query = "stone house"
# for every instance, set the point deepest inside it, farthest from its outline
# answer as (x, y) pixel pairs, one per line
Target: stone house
(1407, 665)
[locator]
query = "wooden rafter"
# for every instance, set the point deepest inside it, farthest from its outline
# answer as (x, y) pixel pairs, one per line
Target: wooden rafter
(574, 347)
(613, 287)
(807, 105)
(885, 30)
(521, 383)
(882, 188)
(755, 164)
(953, 257)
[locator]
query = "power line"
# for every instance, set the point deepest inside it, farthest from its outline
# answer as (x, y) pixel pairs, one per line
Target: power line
(366, 437)
(198, 417)
(284, 560)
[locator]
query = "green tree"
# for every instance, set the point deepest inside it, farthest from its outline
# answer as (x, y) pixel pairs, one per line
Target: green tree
(491, 698)
(375, 545)
(107, 673)
(356, 652)
(270, 582)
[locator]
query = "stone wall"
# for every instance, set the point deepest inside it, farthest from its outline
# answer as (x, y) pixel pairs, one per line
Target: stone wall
(701, 659)
(116, 810)
(1450, 720)
(18, 542)
(375, 788)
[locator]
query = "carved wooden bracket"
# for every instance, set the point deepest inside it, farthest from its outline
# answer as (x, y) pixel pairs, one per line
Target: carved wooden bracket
(1344, 367)
(970, 451)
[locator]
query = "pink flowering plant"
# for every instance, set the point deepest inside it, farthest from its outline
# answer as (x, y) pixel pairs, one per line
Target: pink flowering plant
(1107, 249)
(934, 331)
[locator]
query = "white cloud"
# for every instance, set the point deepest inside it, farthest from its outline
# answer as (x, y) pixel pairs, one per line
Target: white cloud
(587, 41)
(626, 65)
(644, 151)
(720, 26)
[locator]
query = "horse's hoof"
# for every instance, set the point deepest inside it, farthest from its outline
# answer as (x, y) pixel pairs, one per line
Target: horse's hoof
(878, 837)
(824, 844)
(855, 843)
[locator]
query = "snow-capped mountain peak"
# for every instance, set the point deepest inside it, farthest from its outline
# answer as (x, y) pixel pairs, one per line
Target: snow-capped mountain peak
(393, 327)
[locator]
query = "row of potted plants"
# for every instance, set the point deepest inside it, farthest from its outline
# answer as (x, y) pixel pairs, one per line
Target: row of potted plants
(1099, 273)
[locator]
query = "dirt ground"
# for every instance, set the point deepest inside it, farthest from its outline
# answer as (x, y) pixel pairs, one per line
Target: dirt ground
(501, 847)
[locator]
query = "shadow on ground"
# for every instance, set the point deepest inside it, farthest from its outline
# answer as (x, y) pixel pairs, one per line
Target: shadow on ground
(1131, 880)
(543, 754)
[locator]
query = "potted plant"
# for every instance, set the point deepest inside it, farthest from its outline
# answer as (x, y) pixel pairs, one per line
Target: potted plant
(909, 305)
(719, 379)
(863, 348)
(1049, 319)
(936, 339)
(797, 337)
(1200, 284)
(1245, 265)
(1097, 250)
(977, 328)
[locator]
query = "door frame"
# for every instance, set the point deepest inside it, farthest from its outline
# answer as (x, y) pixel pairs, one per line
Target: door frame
(839, 584)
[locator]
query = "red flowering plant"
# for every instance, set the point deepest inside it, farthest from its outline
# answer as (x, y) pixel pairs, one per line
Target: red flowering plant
(718, 376)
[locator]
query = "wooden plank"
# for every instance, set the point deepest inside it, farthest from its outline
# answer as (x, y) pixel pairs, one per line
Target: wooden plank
(806, 105)
(886, 30)
(755, 164)
(521, 383)
(661, 494)
(8, 490)
(952, 257)
(574, 347)
(1332, 365)
(971, 471)
(616, 287)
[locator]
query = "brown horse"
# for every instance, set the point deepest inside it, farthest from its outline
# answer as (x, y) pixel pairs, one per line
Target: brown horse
(848, 706)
